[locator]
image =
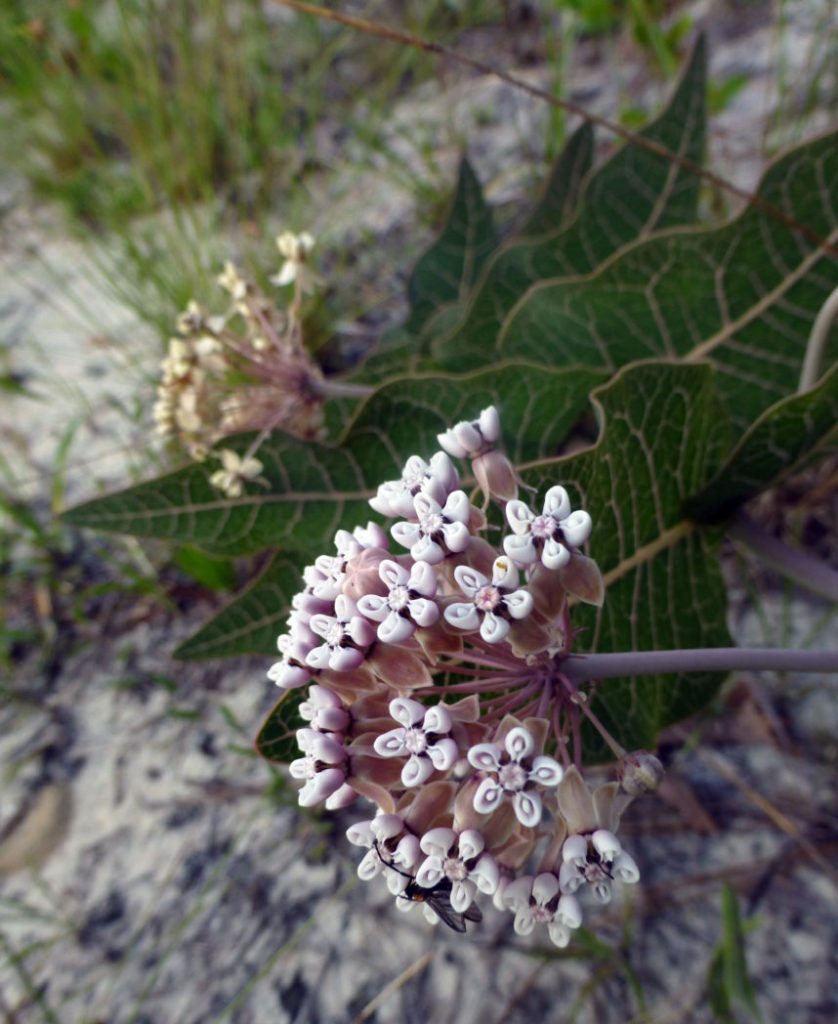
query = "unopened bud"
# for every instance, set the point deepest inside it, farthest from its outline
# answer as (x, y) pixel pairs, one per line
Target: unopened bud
(640, 772)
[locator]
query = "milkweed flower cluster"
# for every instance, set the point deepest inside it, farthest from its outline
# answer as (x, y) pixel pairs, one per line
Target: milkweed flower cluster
(436, 693)
(243, 369)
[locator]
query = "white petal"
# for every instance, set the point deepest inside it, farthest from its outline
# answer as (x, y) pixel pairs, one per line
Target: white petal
(504, 574)
(427, 550)
(406, 534)
(519, 604)
(518, 516)
(456, 537)
(493, 629)
(519, 743)
(421, 578)
(555, 554)
(469, 580)
(444, 471)
(319, 657)
(557, 503)
(395, 629)
(487, 797)
(520, 549)
(517, 893)
(390, 744)
(569, 912)
(463, 616)
(423, 611)
(457, 507)
(575, 851)
(570, 878)
(462, 895)
(471, 844)
(468, 437)
(577, 528)
(489, 423)
(527, 806)
(625, 869)
(406, 712)
(485, 757)
(344, 659)
(559, 933)
(437, 842)
(437, 720)
(486, 874)
(451, 444)
(430, 872)
(545, 887)
(524, 922)
(606, 844)
(443, 754)
(374, 607)
(546, 771)
(416, 771)
(392, 574)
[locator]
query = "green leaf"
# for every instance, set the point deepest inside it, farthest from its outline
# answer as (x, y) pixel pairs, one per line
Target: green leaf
(744, 295)
(557, 204)
(451, 265)
(729, 985)
(313, 489)
(780, 443)
(662, 435)
(634, 193)
(277, 739)
(252, 621)
(212, 573)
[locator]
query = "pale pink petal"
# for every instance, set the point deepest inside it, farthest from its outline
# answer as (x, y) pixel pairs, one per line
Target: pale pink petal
(390, 744)
(518, 516)
(557, 503)
(527, 806)
(395, 629)
(443, 754)
(416, 771)
(462, 895)
(519, 604)
(493, 629)
(437, 719)
(487, 797)
(519, 743)
(463, 616)
(546, 771)
(485, 757)
(437, 842)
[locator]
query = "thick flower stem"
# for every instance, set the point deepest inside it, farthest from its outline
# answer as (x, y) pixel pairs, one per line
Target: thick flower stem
(808, 572)
(581, 667)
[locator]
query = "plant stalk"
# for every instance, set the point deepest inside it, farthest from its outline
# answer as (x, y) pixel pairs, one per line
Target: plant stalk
(579, 668)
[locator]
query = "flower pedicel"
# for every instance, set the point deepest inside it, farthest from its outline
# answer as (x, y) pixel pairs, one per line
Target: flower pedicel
(437, 694)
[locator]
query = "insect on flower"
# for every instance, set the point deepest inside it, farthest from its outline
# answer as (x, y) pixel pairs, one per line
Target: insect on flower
(437, 897)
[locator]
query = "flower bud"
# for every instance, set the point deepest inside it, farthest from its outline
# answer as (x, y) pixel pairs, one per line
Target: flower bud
(640, 772)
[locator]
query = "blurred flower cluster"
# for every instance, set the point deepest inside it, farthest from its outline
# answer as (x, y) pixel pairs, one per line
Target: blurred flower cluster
(245, 369)
(436, 693)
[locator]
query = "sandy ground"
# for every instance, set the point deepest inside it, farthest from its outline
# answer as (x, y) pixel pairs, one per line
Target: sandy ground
(174, 879)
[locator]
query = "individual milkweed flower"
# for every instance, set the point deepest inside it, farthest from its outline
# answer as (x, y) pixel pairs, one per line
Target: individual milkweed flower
(295, 249)
(323, 766)
(437, 478)
(461, 860)
(470, 438)
(491, 602)
(422, 736)
(291, 671)
(550, 537)
(539, 900)
(392, 850)
(324, 710)
(438, 530)
(513, 772)
(232, 282)
(592, 854)
(345, 635)
(408, 603)
(236, 471)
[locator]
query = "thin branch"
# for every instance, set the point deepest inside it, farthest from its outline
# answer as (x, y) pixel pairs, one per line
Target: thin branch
(426, 45)
(579, 668)
(810, 573)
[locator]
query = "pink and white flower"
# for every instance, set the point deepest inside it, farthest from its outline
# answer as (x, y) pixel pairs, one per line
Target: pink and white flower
(408, 603)
(513, 772)
(492, 602)
(422, 737)
(550, 537)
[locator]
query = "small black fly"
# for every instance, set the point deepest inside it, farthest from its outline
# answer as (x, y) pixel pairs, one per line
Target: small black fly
(437, 897)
